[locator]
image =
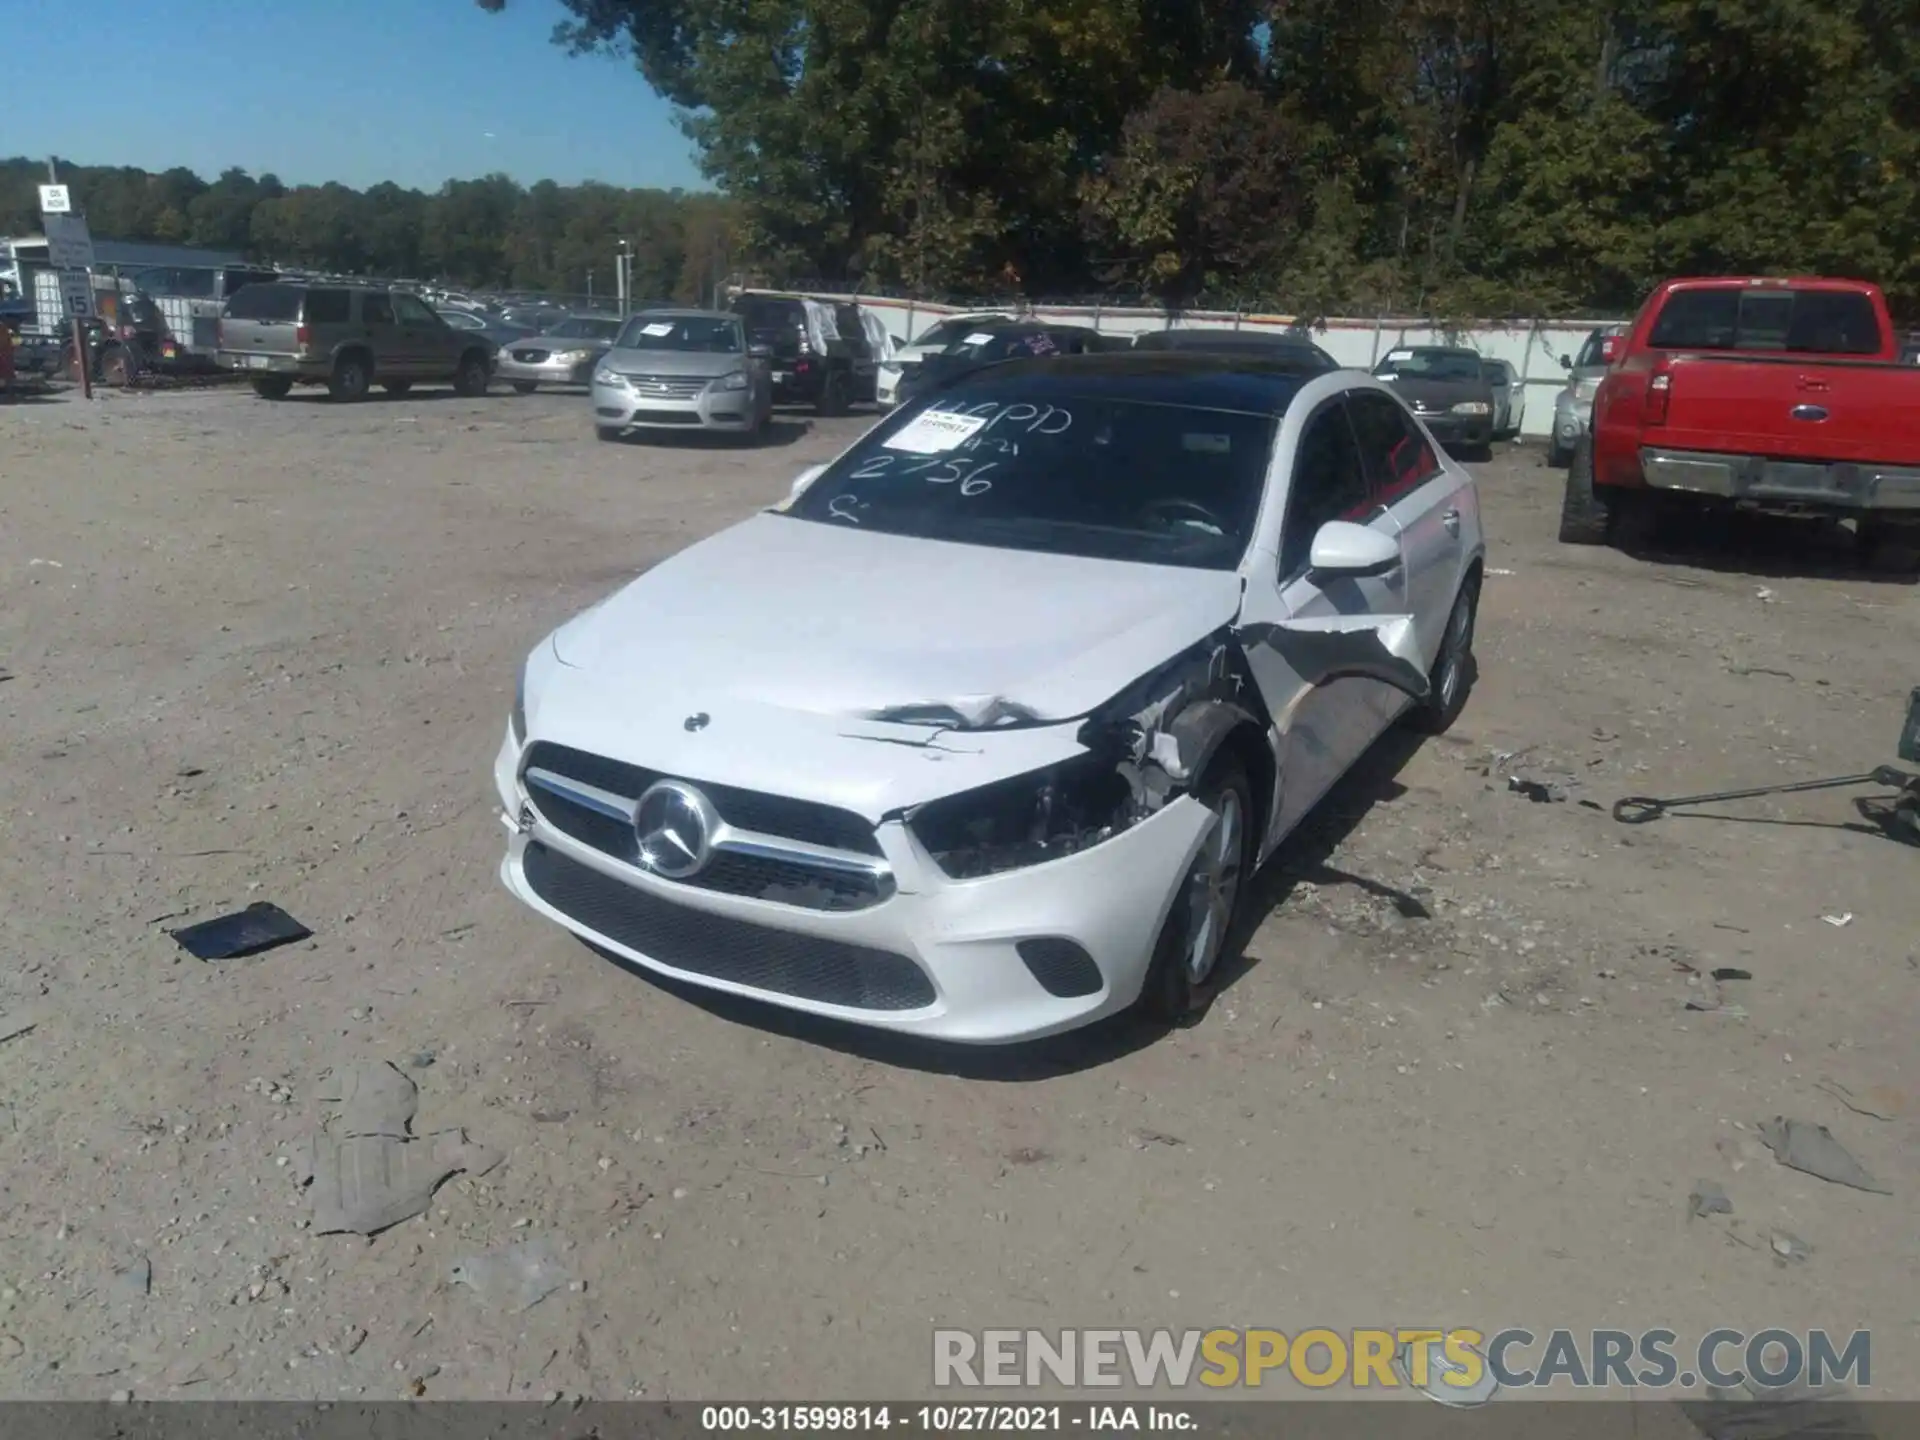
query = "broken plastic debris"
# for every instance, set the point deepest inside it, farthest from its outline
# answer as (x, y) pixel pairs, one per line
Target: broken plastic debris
(1810, 1148)
(514, 1278)
(374, 1099)
(1788, 1246)
(1708, 1199)
(1839, 922)
(261, 926)
(367, 1184)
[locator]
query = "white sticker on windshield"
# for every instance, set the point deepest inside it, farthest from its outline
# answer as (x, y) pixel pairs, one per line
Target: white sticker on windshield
(935, 432)
(979, 337)
(658, 328)
(1394, 357)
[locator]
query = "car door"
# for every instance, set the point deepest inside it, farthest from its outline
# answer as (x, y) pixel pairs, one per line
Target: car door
(1425, 500)
(430, 345)
(1323, 727)
(393, 354)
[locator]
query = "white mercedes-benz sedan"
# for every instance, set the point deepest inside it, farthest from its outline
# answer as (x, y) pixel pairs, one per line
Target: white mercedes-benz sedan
(980, 734)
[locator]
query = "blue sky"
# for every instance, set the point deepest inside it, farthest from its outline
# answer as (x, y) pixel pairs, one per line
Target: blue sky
(413, 91)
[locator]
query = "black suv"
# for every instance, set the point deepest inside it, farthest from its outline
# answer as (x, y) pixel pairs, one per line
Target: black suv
(828, 372)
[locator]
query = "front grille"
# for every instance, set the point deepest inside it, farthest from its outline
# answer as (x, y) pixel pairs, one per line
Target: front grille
(784, 880)
(749, 809)
(665, 417)
(530, 357)
(804, 966)
(668, 387)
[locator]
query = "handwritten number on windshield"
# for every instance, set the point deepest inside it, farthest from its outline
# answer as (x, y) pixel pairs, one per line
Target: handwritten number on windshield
(841, 507)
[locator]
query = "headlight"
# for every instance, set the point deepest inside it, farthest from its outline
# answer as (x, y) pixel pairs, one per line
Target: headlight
(1025, 821)
(1584, 392)
(517, 720)
(571, 357)
(1471, 407)
(604, 376)
(735, 381)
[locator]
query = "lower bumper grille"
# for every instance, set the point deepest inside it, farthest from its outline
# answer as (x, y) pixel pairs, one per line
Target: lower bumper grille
(665, 417)
(806, 967)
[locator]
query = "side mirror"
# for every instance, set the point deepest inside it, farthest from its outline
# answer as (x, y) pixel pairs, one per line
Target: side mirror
(1566, 362)
(805, 478)
(1343, 550)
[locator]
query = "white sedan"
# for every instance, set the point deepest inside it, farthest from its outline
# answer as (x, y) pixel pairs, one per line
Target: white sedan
(980, 734)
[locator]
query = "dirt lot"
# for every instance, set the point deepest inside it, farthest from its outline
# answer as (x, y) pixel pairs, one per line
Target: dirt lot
(264, 651)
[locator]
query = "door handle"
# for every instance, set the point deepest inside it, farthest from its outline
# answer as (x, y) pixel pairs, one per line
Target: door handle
(1452, 521)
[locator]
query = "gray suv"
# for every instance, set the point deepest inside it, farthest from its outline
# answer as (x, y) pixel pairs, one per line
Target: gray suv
(348, 338)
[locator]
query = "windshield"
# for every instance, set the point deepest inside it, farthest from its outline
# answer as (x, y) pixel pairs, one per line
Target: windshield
(1430, 365)
(580, 327)
(698, 334)
(771, 314)
(1063, 464)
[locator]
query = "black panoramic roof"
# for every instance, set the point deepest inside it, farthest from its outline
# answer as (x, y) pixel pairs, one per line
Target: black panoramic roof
(1258, 384)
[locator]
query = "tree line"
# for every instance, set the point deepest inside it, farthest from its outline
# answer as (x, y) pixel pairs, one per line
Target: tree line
(1323, 156)
(489, 233)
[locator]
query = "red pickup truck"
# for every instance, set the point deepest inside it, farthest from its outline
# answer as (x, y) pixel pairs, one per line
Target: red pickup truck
(1777, 395)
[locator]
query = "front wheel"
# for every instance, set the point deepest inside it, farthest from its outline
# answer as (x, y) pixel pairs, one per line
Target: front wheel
(1199, 927)
(1585, 514)
(525, 387)
(471, 378)
(1452, 674)
(273, 387)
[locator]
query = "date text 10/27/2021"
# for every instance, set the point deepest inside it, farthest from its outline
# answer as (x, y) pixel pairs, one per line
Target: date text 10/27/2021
(1088, 1419)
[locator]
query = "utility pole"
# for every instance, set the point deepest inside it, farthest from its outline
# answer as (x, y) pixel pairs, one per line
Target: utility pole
(623, 274)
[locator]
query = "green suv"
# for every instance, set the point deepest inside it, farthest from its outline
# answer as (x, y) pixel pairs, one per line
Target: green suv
(348, 338)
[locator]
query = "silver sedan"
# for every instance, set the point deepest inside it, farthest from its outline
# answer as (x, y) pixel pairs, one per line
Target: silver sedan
(682, 370)
(564, 355)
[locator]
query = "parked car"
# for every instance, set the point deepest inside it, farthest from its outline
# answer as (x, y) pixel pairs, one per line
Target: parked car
(820, 352)
(129, 340)
(494, 328)
(993, 343)
(1143, 624)
(346, 337)
(31, 351)
(682, 370)
(931, 341)
(1280, 345)
(1573, 406)
(1775, 395)
(1509, 397)
(565, 354)
(1447, 388)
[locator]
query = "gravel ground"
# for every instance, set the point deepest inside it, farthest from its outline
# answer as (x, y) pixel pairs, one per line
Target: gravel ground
(264, 651)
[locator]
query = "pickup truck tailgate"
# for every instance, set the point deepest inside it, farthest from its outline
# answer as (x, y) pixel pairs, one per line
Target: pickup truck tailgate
(1793, 408)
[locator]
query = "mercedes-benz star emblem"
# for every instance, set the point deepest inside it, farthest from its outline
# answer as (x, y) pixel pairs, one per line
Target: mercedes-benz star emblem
(675, 823)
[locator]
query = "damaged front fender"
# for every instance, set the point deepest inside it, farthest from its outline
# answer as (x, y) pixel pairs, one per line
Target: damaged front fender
(1324, 648)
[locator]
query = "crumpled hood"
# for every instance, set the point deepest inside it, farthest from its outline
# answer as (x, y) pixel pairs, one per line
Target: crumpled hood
(821, 620)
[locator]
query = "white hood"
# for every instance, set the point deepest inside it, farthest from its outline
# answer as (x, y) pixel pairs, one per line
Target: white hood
(802, 643)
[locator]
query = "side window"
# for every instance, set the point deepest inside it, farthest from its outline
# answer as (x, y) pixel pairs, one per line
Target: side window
(376, 310)
(327, 307)
(413, 311)
(1328, 484)
(1397, 457)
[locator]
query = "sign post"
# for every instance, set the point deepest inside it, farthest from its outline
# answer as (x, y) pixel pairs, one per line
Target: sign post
(70, 248)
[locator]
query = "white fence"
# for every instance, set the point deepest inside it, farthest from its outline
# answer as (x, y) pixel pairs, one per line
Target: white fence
(1533, 347)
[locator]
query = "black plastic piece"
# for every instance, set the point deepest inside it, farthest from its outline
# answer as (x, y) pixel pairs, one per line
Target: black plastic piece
(261, 926)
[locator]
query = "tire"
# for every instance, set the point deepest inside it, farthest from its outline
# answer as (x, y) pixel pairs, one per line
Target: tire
(1557, 455)
(351, 379)
(608, 433)
(273, 387)
(525, 387)
(1585, 513)
(1888, 549)
(1178, 982)
(472, 378)
(1451, 679)
(396, 388)
(834, 393)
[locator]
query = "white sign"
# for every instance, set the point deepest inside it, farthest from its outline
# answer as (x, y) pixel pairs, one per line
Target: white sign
(69, 246)
(979, 337)
(660, 329)
(54, 200)
(934, 432)
(76, 293)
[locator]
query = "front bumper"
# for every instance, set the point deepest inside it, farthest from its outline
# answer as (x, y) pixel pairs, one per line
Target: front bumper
(632, 407)
(544, 372)
(1784, 484)
(1451, 429)
(968, 980)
